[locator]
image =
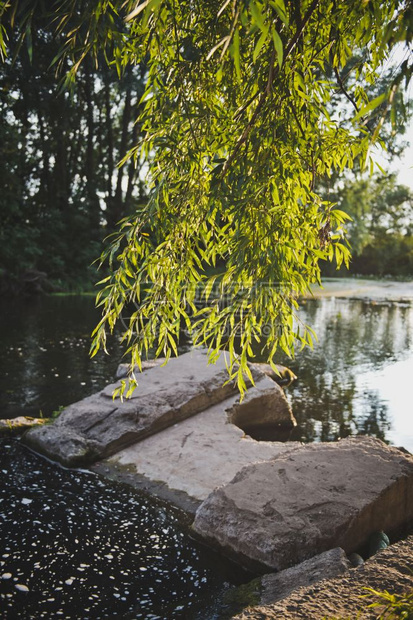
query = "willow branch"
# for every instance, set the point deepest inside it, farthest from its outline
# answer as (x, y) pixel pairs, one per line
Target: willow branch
(344, 91)
(274, 70)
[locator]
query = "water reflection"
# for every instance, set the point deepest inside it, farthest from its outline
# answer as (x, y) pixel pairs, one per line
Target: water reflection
(44, 359)
(357, 377)
(74, 546)
(355, 380)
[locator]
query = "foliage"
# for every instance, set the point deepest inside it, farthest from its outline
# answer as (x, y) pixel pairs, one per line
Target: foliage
(392, 606)
(386, 606)
(380, 230)
(61, 189)
(240, 119)
(386, 255)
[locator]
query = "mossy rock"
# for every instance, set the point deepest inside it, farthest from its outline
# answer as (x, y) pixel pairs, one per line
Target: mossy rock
(16, 426)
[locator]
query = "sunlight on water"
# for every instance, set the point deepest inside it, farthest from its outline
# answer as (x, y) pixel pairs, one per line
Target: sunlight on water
(356, 379)
(75, 546)
(393, 386)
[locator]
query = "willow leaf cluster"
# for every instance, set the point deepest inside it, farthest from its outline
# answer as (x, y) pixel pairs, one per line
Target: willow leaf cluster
(239, 126)
(241, 118)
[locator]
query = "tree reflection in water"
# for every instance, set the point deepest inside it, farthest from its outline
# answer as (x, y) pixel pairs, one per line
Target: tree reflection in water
(355, 380)
(335, 394)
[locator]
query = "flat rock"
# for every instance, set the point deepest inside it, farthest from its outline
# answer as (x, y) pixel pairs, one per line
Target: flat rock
(98, 426)
(346, 596)
(276, 586)
(187, 461)
(123, 369)
(279, 513)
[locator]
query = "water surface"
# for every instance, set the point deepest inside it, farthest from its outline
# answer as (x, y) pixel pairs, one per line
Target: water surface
(75, 546)
(357, 378)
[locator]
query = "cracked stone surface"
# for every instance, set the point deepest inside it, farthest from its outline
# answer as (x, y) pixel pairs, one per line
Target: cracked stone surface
(98, 426)
(279, 513)
(198, 454)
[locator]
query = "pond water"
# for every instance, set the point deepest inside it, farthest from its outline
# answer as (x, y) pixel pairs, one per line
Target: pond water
(73, 545)
(357, 378)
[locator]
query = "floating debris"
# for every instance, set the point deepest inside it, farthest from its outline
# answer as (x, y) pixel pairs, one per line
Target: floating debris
(76, 542)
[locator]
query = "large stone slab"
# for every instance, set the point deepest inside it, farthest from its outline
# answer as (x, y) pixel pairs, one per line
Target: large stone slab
(123, 370)
(279, 513)
(98, 426)
(187, 461)
(346, 596)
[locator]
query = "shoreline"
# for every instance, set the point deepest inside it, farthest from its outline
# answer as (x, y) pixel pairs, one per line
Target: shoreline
(374, 290)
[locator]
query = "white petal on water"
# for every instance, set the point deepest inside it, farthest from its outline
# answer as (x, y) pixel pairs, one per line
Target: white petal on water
(6, 576)
(21, 587)
(26, 500)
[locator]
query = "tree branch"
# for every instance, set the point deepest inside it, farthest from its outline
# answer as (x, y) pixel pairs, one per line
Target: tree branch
(274, 70)
(343, 89)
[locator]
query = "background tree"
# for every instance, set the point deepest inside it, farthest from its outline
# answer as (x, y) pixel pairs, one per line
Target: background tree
(380, 230)
(237, 130)
(63, 191)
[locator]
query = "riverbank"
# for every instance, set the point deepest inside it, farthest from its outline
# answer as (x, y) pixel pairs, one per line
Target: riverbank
(365, 289)
(352, 335)
(345, 596)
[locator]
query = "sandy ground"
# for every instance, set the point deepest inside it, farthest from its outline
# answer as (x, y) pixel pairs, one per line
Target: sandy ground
(345, 597)
(357, 288)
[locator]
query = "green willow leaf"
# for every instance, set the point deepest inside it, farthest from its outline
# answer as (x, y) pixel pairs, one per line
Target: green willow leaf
(248, 106)
(278, 47)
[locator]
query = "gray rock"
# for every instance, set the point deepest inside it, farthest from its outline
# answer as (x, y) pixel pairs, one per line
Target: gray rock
(185, 462)
(99, 426)
(355, 560)
(284, 377)
(276, 586)
(273, 587)
(279, 513)
(348, 595)
(122, 370)
(263, 405)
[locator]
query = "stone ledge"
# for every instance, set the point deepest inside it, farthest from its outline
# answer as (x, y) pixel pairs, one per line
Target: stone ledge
(98, 426)
(276, 514)
(345, 596)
